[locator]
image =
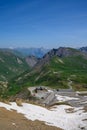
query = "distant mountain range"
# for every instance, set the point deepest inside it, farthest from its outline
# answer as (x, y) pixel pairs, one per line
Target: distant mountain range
(37, 52)
(56, 69)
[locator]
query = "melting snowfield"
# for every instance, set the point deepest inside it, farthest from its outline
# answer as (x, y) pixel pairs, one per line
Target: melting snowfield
(65, 98)
(63, 116)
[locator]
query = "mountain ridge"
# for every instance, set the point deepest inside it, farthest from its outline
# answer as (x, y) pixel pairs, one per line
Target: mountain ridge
(56, 67)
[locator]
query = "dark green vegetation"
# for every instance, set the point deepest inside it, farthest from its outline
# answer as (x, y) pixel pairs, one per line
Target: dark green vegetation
(56, 69)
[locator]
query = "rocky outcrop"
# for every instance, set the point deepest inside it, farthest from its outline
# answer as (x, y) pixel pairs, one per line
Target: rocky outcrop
(31, 60)
(83, 49)
(62, 52)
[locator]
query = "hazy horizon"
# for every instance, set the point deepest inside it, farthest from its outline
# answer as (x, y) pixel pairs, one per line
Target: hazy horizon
(40, 47)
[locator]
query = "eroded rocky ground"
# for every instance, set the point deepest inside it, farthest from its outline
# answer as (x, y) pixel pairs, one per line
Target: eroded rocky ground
(61, 109)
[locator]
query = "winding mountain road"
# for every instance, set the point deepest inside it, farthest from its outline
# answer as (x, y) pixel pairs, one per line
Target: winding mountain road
(69, 83)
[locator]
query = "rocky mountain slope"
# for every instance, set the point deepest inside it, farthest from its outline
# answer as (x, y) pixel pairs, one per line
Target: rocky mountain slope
(56, 69)
(61, 52)
(31, 60)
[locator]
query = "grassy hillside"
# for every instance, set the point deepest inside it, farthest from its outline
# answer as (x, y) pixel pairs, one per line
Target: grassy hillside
(55, 71)
(11, 65)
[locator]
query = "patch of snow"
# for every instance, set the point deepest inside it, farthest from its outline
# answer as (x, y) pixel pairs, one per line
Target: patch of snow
(85, 96)
(60, 61)
(85, 102)
(56, 116)
(19, 61)
(64, 98)
(50, 91)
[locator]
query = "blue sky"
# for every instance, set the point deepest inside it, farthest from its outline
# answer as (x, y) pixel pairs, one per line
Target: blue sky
(43, 23)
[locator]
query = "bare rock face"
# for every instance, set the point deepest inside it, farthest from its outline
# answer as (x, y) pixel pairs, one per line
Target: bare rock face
(83, 49)
(62, 52)
(31, 60)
